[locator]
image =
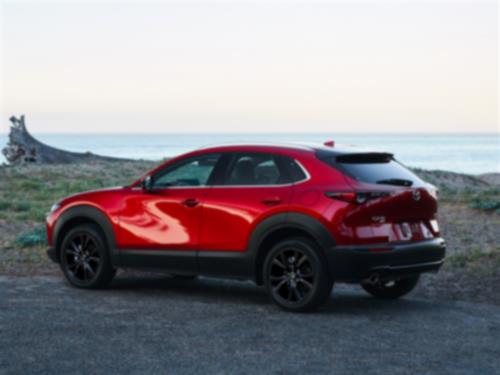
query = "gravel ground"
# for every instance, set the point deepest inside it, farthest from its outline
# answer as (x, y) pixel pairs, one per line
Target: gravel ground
(154, 324)
(465, 229)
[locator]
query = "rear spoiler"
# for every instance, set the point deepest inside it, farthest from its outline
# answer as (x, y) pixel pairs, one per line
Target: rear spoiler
(365, 158)
(355, 157)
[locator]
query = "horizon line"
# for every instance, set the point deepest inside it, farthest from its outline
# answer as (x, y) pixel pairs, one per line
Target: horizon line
(331, 133)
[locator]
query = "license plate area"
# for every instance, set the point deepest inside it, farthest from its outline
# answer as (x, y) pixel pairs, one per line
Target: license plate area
(413, 231)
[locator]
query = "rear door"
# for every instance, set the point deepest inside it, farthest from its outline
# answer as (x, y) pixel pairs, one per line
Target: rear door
(255, 186)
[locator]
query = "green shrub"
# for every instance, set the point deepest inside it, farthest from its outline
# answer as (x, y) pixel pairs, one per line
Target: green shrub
(31, 185)
(485, 204)
(4, 205)
(21, 216)
(38, 213)
(21, 206)
(34, 237)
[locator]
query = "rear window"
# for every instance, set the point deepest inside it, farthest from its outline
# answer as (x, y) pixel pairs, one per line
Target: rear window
(372, 168)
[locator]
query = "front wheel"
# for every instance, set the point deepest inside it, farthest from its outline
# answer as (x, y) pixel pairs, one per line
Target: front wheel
(391, 289)
(296, 276)
(84, 258)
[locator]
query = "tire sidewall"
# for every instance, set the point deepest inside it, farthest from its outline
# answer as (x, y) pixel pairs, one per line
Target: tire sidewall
(104, 263)
(322, 277)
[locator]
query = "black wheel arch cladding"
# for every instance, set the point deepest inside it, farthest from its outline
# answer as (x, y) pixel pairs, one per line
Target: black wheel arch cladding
(290, 220)
(85, 214)
(253, 257)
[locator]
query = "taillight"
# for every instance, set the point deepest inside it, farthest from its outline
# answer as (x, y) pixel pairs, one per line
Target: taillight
(434, 192)
(358, 197)
(434, 226)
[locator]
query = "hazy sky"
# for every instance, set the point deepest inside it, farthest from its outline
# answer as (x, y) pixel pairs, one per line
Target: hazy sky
(301, 67)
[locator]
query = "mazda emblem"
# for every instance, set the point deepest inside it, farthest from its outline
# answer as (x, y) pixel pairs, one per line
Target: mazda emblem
(416, 195)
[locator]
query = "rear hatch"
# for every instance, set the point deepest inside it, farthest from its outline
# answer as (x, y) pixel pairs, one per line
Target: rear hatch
(389, 198)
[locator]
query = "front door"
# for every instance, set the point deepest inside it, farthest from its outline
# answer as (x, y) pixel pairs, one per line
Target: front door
(168, 216)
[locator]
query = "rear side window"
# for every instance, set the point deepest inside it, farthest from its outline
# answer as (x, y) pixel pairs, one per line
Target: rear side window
(256, 169)
(373, 168)
(294, 170)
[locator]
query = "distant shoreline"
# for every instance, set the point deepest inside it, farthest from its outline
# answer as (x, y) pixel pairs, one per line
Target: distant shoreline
(473, 154)
(330, 134)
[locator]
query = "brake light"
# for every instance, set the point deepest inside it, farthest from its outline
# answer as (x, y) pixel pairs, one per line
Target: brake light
(356, 197)
(342, 196)
(330, 143)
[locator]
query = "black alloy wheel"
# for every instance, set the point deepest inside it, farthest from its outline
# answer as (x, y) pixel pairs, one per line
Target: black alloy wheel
(295, 275)
(292, 278)
(84, 258)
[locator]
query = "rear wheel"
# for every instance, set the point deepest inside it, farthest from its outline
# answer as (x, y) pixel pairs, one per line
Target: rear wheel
(84, 258)
(296, 276)
(391, 289)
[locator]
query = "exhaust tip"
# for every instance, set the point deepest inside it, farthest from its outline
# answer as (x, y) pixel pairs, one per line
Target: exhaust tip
(374, 278)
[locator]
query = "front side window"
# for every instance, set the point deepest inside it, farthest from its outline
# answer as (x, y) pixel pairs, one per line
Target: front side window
(257, 169)
(192, 172)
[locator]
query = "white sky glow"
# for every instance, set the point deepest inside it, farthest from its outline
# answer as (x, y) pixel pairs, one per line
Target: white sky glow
(253, 67)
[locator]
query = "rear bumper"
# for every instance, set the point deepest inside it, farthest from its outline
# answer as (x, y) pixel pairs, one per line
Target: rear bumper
(51, 253)
(356, 263)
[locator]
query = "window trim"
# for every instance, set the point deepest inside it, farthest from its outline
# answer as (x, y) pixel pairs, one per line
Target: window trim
(232, 154)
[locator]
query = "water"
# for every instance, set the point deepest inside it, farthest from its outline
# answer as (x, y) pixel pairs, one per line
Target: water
(473, 154)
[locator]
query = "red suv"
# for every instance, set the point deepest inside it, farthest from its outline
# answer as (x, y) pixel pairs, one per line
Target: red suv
(293, 218)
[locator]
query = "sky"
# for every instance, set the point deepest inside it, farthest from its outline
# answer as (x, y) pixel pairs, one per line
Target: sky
(119, 67)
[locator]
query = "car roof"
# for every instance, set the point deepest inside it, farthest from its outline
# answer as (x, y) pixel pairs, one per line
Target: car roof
(307, 147)
(318, 148)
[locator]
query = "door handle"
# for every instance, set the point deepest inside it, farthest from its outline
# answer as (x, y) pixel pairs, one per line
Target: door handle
(190, 202)
(271, 201)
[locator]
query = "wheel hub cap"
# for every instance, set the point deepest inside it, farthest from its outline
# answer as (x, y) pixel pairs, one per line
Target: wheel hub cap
(291, 277)
(82, 257)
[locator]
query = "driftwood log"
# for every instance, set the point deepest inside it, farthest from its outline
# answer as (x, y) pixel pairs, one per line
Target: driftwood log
(23, 148)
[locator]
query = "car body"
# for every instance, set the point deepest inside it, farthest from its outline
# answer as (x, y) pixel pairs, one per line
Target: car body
(219, 211)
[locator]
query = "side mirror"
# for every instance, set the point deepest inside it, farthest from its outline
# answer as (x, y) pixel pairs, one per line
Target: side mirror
(147, 183)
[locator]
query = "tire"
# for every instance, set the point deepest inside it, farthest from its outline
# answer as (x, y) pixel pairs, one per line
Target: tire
(295, 275)
(84, 258)
(391, 289)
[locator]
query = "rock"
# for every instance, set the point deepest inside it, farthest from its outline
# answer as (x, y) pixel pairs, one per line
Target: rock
(23, 148)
